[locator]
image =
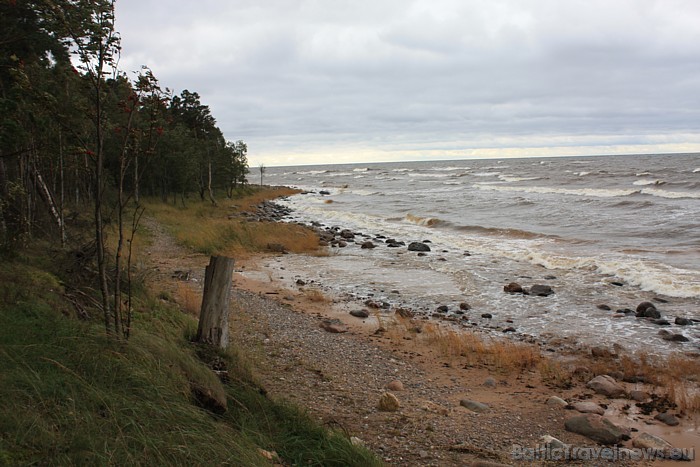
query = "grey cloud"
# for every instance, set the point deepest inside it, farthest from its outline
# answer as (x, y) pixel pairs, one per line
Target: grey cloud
(305, 76)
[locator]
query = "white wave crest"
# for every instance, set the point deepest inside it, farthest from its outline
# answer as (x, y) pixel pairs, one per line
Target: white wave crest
(312, 172)
(508, 178)
(590, 192)
(669, 194)
(696, 170)
(486, 174)
(582, 174)
(648, 182)
(424, 175)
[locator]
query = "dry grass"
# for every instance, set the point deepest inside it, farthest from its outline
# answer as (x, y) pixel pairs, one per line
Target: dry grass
(209, 229)
(554, 373)
(316, 296)
(474, 349)
(686, 395)
(188, 298)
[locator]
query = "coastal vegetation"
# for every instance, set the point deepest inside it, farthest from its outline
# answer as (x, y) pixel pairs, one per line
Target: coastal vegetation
(96, 365)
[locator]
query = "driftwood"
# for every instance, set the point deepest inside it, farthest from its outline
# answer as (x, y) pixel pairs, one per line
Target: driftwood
(213, 319)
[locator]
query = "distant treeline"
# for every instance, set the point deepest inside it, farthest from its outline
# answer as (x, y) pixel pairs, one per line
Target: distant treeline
(75, 130)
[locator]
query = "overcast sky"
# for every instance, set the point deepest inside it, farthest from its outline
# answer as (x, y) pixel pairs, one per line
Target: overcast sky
(314, 81)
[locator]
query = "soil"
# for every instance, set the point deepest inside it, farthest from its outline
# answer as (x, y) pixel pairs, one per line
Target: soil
(339, 377)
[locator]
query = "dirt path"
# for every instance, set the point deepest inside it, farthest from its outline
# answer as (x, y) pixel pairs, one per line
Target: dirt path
(340, 377)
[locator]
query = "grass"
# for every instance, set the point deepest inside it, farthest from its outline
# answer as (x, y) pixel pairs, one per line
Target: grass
(70, 394)
(675, 377)
(474, 349)
(217, 230)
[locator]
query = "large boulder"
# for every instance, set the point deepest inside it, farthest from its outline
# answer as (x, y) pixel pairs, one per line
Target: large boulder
(588, 407)
(418, 246)
(651, 442)
(541, 290)
(513, 287)
(647, 310)
(606, 385)
(597, 428)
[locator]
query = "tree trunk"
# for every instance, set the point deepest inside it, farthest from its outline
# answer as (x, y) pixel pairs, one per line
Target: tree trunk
(213, 319)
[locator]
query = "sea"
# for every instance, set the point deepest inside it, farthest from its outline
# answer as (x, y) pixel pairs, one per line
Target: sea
(603, 230)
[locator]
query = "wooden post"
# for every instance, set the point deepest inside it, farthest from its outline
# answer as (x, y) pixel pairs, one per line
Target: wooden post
(213, 319)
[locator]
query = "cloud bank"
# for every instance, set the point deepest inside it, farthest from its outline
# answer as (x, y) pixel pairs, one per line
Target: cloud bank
(311, 81)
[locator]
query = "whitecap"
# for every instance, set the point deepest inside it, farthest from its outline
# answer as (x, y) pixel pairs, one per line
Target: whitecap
(486, 174)
(591, 192)
(508, 178)
(669, 194)
(648, 182)
(312, 172)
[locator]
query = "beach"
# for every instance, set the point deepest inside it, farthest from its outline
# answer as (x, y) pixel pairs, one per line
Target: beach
(604, 233)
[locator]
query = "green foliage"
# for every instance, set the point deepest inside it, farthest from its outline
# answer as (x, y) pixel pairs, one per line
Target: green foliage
(71, 395)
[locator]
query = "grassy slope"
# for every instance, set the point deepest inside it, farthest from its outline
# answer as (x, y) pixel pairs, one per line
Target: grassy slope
(71, 395)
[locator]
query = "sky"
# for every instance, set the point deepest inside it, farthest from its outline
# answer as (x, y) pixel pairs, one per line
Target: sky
(335, 81)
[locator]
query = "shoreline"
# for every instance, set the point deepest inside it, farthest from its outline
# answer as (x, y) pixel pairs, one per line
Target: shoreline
(521, 396)
(255, 275)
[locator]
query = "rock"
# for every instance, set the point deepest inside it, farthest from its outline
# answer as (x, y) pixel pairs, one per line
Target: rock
(474, 406)
(683, 321)
(597, 428)
(639, 396)
(300, 282)
(487, 315)
(606, 385)
(355, 441)
(395, 385)
(668, 419)
(550, 277)
(324, 192)
(388, 403)
(442, 309)
(647, 310)
(588, 407)
(647, 441)
(347, 234)
(418, 246)
(541, 290)
(360, 313)
(604, 307)
(553, 443)
(513, 287)
(667, 336)
(555, 401)
(212, 398)
(342, 244)
(464, 306)
(661, 322)
(368, 245)
(333, 326)
(490, 382)
(509, 329)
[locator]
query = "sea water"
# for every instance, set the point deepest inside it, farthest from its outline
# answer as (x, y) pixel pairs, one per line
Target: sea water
(613, 230)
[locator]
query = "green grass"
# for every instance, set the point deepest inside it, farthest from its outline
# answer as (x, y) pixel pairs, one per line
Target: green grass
(69, 394)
